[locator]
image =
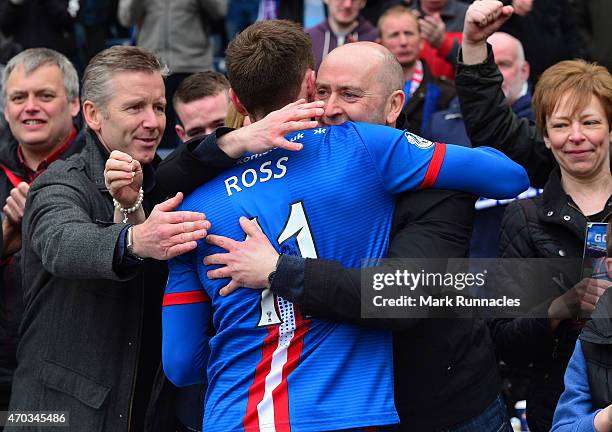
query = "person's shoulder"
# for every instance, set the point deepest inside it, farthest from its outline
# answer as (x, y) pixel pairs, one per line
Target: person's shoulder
(366, 30)
(317, 29)
(62, 171)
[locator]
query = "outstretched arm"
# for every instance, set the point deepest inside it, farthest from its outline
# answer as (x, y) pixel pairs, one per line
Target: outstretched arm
(488, 118)
(185, 318)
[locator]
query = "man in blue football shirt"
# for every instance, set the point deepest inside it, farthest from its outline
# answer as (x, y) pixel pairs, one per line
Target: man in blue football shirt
(282, 359)
(266, 363)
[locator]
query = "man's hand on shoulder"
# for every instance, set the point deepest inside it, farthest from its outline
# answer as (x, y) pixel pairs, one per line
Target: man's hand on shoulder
(167, 233)
(269, 132)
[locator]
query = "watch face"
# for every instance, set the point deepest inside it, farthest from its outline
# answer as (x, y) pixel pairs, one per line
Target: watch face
(129, 245)
(129, 239)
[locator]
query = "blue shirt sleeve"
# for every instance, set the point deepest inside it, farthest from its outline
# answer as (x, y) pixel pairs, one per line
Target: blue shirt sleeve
(405, 161)
(185, 317)
(575, 411)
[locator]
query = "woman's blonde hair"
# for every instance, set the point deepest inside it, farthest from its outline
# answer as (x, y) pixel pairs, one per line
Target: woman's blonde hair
(233, 118)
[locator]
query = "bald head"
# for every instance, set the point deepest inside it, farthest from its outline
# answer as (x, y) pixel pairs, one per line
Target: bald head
(360, 81)
(373, 57)
(510, 58)
(501, 40)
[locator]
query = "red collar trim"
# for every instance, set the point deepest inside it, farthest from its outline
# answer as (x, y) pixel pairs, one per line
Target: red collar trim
(57, 153)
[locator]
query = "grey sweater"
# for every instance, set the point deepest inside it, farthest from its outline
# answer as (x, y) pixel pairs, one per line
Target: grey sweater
(174, 30)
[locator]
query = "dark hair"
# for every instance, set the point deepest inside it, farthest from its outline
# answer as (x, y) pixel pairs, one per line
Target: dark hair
(266, 64)
(198, 86)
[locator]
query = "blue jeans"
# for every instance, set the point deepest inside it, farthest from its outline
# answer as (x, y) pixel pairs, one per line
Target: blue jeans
(493, 419)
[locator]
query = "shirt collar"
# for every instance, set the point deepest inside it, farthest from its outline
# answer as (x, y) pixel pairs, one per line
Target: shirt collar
(55, 155)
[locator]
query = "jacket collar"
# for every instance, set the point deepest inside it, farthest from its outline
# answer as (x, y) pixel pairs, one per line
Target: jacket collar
(96, 155)
(9, 148)
(522, 106)
(558, 205)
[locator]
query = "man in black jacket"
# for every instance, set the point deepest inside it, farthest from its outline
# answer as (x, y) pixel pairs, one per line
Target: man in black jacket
(452, 382)
(48, 23)
(41, 102)
(89, 342)
(488, 118)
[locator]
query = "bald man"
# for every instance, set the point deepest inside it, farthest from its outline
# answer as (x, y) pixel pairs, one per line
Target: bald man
(448, 126)
(452, 383)
(510, 59)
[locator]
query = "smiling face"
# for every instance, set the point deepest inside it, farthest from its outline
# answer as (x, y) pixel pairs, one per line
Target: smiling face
(134, 118)
(37, 108)
(580, 142)
(350, 87)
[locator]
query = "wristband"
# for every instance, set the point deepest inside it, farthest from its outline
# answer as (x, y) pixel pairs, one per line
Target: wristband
(129, 210)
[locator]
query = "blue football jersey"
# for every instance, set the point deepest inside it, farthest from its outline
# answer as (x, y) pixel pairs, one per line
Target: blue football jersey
(270, 368)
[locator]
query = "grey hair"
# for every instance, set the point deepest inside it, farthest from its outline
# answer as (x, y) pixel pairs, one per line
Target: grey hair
(33, 58)
(97, 78)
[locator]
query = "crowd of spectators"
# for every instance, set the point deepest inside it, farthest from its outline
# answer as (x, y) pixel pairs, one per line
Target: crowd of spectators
(90, 212)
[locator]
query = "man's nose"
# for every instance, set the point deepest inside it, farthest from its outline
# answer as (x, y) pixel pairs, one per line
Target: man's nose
(332, 108)
(151, 118)
(31, 104)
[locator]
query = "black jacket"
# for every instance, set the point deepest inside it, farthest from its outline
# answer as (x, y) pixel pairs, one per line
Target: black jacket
(596, 341)
(489, 120)
(548, 33)
(11, 292)
(445, 369)
(548, 226)
(40, 23)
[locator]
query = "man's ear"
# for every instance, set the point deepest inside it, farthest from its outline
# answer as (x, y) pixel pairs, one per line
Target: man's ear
(311, 85)
(524, 71)
(75, 107)
(180, 131)
(239, 107)
(92, 115)
(395, 104)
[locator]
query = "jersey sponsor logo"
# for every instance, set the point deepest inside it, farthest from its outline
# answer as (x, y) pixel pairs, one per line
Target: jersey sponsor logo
(253, 157)
(320, 131)
(299, 136)
(416, 140)
(251, 176)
